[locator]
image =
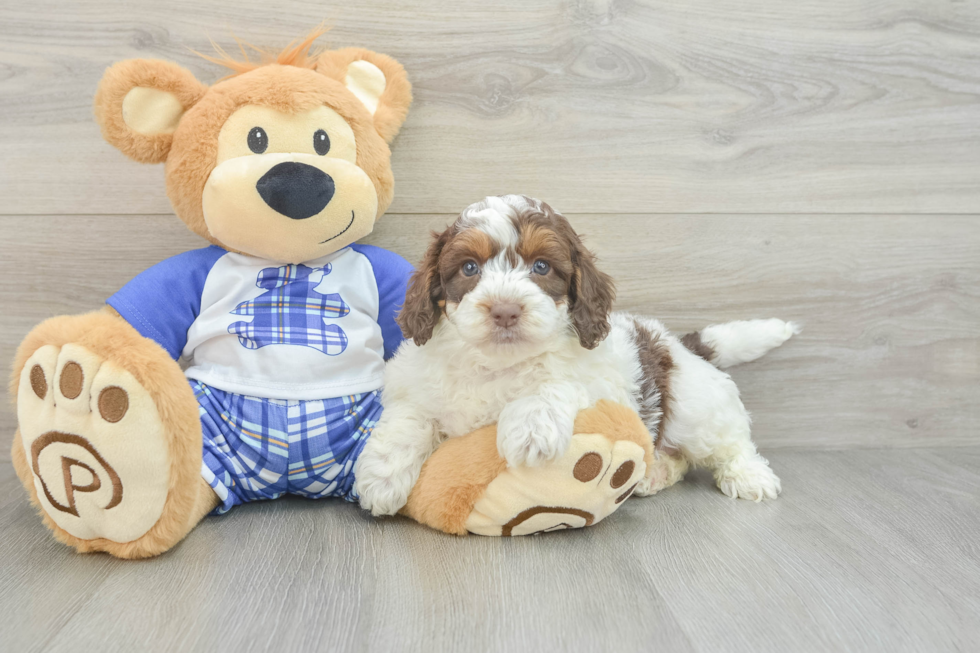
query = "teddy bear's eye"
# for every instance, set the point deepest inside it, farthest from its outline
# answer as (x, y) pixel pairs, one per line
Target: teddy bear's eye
(321, 142)
(258, 140)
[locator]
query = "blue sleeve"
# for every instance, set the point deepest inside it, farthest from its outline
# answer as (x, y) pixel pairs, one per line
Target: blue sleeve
(391, 272)
(162, 302)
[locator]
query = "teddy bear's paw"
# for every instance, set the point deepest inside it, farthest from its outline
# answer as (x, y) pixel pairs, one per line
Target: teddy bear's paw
(94, 442)
(748, 477)
(579, 489)
(665, 471)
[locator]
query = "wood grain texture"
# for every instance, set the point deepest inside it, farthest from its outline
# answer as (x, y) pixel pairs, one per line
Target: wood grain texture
(813, 160)
(598, 105)
(866, 550)
(889, 356)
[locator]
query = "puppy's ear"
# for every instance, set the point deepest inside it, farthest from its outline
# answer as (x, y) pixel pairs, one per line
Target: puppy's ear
(139, 103)
(421, 311)
(591, 292)
(377, 80)
(590, 297)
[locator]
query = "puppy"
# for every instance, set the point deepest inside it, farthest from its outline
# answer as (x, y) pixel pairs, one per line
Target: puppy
(510, 323)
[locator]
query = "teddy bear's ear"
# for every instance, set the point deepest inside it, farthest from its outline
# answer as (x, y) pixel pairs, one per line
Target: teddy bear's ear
(377, 80)
(139, 103)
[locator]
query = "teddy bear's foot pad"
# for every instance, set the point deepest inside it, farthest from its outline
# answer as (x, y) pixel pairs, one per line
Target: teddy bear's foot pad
(587, 484)
(95, 444)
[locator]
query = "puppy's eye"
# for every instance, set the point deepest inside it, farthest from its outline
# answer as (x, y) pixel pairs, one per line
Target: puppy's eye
(321, 142)
(540, 267)
(470, 268)
(258, 141)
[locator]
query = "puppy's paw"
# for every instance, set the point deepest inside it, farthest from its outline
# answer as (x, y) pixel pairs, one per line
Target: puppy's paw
(748, 478)
(665, 471)
(532, 431)
(382, 484)
(382, 496)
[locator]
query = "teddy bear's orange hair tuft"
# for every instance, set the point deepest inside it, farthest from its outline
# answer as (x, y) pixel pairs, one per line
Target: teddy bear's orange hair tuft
(294, 54)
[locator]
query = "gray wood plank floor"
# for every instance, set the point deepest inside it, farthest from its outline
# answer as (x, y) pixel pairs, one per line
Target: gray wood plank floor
(871, 550)
(602, 105)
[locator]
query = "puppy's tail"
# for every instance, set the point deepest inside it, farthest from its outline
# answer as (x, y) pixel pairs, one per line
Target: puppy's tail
(731, 343)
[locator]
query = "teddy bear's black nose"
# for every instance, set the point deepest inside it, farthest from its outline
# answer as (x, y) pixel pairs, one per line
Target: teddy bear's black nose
(296, 190)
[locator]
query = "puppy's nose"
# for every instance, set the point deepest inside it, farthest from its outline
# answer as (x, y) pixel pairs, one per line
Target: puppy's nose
(505, 315)
(296, 190)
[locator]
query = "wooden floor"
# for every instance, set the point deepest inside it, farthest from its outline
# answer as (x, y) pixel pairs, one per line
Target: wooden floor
(872, 550)
(815, 160)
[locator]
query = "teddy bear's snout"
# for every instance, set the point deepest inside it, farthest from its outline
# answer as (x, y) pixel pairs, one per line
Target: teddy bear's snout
(296, 190)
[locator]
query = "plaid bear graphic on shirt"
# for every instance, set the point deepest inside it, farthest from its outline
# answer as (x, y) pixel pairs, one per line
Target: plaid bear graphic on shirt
(291, 312)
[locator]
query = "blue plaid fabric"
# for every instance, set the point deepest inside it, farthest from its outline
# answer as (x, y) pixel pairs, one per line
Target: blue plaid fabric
(263, 448)
(291, 312)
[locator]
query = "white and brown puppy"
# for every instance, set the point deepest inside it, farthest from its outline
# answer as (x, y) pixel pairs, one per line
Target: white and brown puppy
(510, 322)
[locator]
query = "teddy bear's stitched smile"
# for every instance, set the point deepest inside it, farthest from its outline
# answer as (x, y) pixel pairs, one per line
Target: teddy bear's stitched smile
(342, 232)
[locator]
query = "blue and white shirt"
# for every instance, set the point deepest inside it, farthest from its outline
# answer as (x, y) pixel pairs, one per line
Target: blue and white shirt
(245, 325)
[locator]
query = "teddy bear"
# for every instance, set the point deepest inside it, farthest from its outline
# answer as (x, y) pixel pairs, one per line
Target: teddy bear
(284, 323)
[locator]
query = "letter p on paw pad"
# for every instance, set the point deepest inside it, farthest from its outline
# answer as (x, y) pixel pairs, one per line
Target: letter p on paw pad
(94, 444)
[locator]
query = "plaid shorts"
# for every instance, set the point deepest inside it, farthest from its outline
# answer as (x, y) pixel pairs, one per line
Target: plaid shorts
(258, 448)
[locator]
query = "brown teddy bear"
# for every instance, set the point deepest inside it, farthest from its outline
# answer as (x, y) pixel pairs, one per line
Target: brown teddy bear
(285, 323)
